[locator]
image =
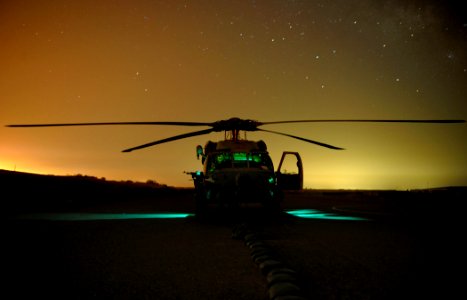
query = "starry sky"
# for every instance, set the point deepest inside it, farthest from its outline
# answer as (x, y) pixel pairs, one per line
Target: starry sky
(203, 61)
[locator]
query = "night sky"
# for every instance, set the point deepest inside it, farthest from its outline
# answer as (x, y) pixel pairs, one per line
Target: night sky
(203, 61)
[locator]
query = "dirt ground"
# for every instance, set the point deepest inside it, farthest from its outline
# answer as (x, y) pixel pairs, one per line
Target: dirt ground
(402, 250)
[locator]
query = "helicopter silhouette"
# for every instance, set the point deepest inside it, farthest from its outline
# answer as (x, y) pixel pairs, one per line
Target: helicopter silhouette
(237, 170)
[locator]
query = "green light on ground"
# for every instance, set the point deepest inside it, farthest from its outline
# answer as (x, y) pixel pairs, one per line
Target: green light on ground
(316, 214)
(101, 216)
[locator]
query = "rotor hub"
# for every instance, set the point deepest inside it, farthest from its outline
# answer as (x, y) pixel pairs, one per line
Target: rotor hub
(236, 124)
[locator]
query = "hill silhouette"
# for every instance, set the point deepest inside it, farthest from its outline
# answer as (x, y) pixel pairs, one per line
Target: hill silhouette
(27, 191)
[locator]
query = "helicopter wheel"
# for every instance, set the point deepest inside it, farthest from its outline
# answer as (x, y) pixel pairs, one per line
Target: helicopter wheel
(200, 204)
(273, 204)
(273, 207)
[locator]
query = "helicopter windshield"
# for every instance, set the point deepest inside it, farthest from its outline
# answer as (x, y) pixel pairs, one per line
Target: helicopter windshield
(224, 160)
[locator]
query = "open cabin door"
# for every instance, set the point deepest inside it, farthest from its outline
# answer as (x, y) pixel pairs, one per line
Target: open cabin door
(290, 171)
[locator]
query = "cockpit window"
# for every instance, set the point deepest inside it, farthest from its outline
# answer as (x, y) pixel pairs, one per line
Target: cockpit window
(224, 160)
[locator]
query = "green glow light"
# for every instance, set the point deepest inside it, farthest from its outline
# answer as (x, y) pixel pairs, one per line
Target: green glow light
(316, 214)
(101, 216)
(241, 156)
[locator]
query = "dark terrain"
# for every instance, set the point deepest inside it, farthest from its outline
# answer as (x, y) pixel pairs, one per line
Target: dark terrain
(409, 246)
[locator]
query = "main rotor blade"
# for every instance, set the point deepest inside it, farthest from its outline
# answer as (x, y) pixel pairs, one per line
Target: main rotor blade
(170, 139)
(303, 139)
(112, 123)
(364, 121)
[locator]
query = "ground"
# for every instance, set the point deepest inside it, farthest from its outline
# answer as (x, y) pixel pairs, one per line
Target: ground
(407, 246)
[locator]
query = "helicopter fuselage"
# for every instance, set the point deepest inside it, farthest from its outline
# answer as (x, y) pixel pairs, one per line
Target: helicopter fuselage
(236, 172)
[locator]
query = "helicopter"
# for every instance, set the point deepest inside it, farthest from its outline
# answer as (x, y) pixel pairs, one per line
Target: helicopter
(237, 170)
